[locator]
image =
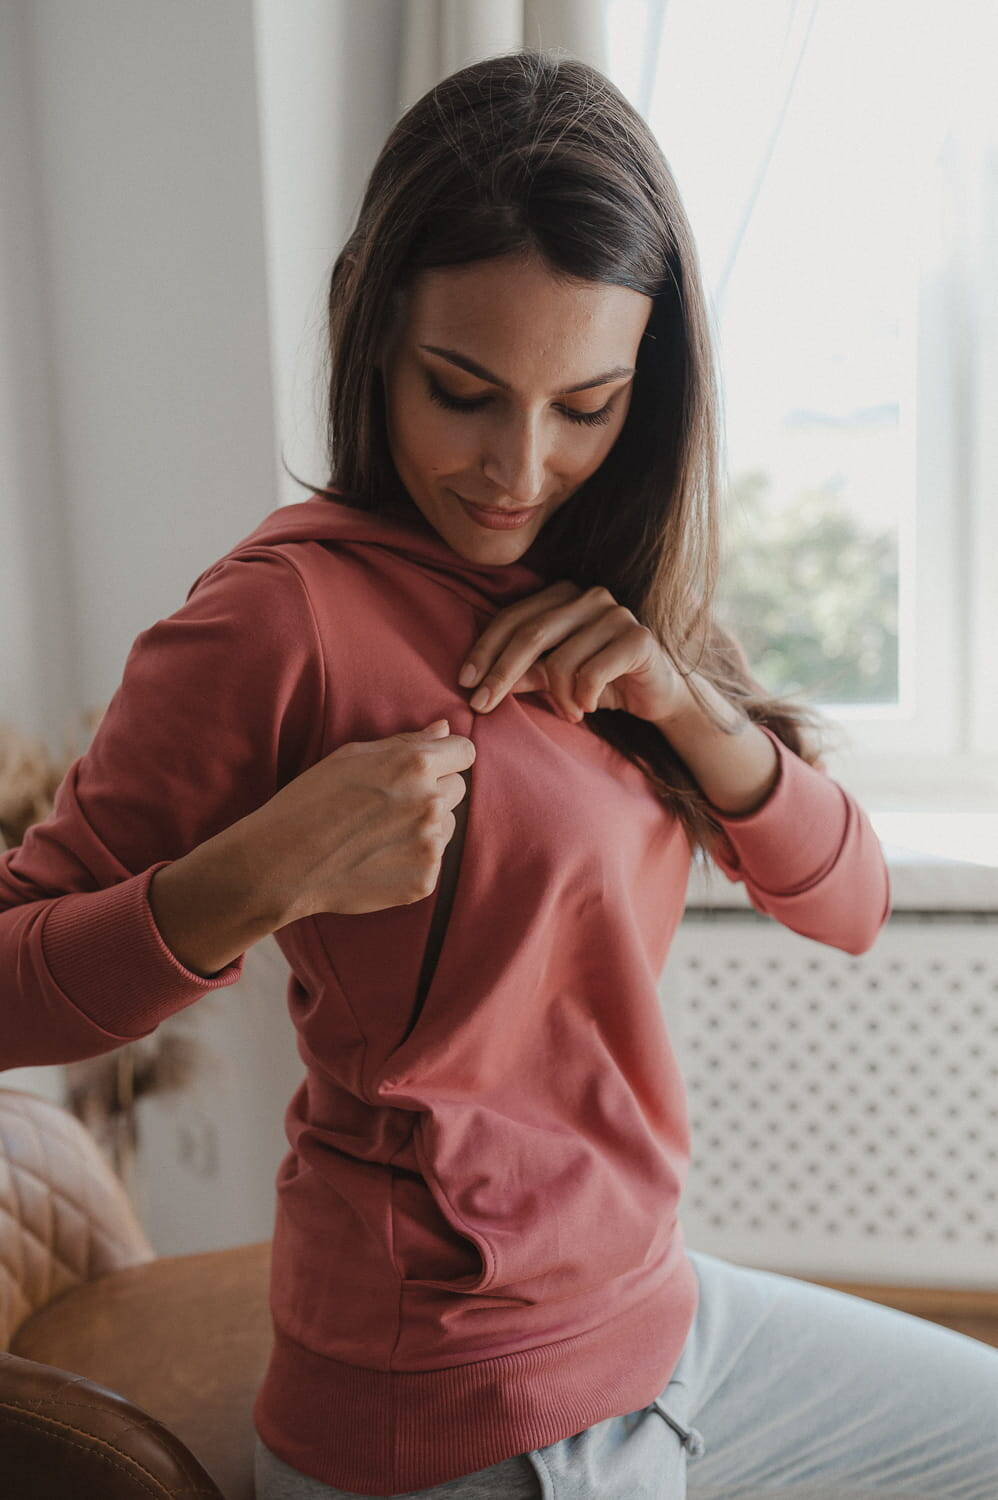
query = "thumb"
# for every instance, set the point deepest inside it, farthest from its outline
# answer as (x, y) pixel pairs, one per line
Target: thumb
(438, 728)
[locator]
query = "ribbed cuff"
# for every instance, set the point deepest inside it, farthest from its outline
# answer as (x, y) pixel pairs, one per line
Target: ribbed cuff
(794, 838)
(105, 952)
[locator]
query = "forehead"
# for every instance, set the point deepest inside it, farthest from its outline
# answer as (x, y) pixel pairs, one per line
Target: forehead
(517, 309)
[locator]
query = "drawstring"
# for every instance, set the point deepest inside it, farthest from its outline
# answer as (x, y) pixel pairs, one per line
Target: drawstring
(692, 1439)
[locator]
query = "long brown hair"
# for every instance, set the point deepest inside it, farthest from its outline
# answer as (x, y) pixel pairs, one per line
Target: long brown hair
(534, 153)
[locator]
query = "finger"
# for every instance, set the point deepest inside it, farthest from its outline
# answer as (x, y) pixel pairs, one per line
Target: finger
(532, 641)
(602, 668)
(592, 656)
(533, 680)
(501, 629)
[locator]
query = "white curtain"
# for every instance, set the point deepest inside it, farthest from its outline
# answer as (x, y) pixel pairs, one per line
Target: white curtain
(440, 36)
(970, 165)
(721, 94)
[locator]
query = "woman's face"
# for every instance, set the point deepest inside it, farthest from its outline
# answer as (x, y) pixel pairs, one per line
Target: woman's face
(525, 442)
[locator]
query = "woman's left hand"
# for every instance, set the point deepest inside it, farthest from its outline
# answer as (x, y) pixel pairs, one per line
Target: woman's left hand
(583, 648)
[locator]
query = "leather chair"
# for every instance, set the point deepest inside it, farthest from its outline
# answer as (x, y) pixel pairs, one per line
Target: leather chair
(126, 1374)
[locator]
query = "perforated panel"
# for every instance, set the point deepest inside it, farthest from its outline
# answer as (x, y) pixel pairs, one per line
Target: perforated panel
(844, 1110)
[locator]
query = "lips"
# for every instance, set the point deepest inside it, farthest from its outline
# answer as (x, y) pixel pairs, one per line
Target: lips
(498, 510)
(495, 518)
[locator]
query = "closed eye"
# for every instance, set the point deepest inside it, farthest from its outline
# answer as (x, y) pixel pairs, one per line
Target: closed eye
(459, 403)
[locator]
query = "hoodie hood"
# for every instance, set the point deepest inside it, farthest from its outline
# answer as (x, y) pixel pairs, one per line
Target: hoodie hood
(483, 585)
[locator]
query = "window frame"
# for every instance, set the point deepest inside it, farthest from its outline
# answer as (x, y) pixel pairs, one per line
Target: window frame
(938, 747)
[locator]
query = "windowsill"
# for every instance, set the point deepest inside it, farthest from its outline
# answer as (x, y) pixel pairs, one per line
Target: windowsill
(919, 849)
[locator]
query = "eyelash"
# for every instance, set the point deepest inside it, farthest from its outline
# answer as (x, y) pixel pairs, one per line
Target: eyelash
(455, 403)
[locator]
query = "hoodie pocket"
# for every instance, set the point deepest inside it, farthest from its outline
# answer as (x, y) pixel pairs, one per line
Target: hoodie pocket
(432, 1247)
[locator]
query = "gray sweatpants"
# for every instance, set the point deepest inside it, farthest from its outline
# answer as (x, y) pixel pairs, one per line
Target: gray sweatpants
(798, 1392)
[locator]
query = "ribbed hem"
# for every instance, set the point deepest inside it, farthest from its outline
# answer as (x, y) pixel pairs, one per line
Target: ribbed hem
(105, 953)
(793, 839)
(385, 1432)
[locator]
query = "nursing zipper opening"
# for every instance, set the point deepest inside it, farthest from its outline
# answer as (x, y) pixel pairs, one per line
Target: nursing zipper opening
(450, 864)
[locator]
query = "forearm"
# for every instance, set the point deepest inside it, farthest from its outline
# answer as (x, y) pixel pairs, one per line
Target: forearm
(736, 772)
(213, 904)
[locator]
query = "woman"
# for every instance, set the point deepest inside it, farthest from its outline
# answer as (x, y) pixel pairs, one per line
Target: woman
(479, 1280)
(521, 234)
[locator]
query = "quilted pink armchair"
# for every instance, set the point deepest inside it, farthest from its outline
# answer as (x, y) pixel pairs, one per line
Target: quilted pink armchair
(125, 1374)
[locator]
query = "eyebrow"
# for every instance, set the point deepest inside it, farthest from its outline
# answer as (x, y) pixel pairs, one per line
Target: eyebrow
(474, 368)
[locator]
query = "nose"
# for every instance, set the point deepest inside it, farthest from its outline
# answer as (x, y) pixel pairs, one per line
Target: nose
(516, 462)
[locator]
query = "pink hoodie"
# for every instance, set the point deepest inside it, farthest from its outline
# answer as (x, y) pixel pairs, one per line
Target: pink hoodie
(476, 1248)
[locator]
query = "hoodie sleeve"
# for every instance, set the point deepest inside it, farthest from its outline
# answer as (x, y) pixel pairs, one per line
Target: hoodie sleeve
(809, 857)
(220, 704)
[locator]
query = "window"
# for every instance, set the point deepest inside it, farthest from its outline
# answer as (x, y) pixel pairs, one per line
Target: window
(839, 163)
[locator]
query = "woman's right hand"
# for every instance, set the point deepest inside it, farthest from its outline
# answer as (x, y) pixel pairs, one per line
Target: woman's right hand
(366, 827)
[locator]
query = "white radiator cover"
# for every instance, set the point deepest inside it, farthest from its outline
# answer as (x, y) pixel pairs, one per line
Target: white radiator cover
(844, 1110)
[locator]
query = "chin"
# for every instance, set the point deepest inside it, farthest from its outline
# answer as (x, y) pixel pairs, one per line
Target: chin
(506, 545)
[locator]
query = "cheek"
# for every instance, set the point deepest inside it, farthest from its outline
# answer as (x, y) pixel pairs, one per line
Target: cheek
(593, 448)
(431, 438)
(609, 437)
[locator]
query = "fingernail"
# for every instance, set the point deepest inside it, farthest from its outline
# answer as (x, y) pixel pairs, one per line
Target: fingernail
(467, 674)
(481, 698)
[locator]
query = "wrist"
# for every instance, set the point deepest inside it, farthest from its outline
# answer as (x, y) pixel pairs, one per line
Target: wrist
(735, 764)
(690, 712)
(204, 909)
(251, 848)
